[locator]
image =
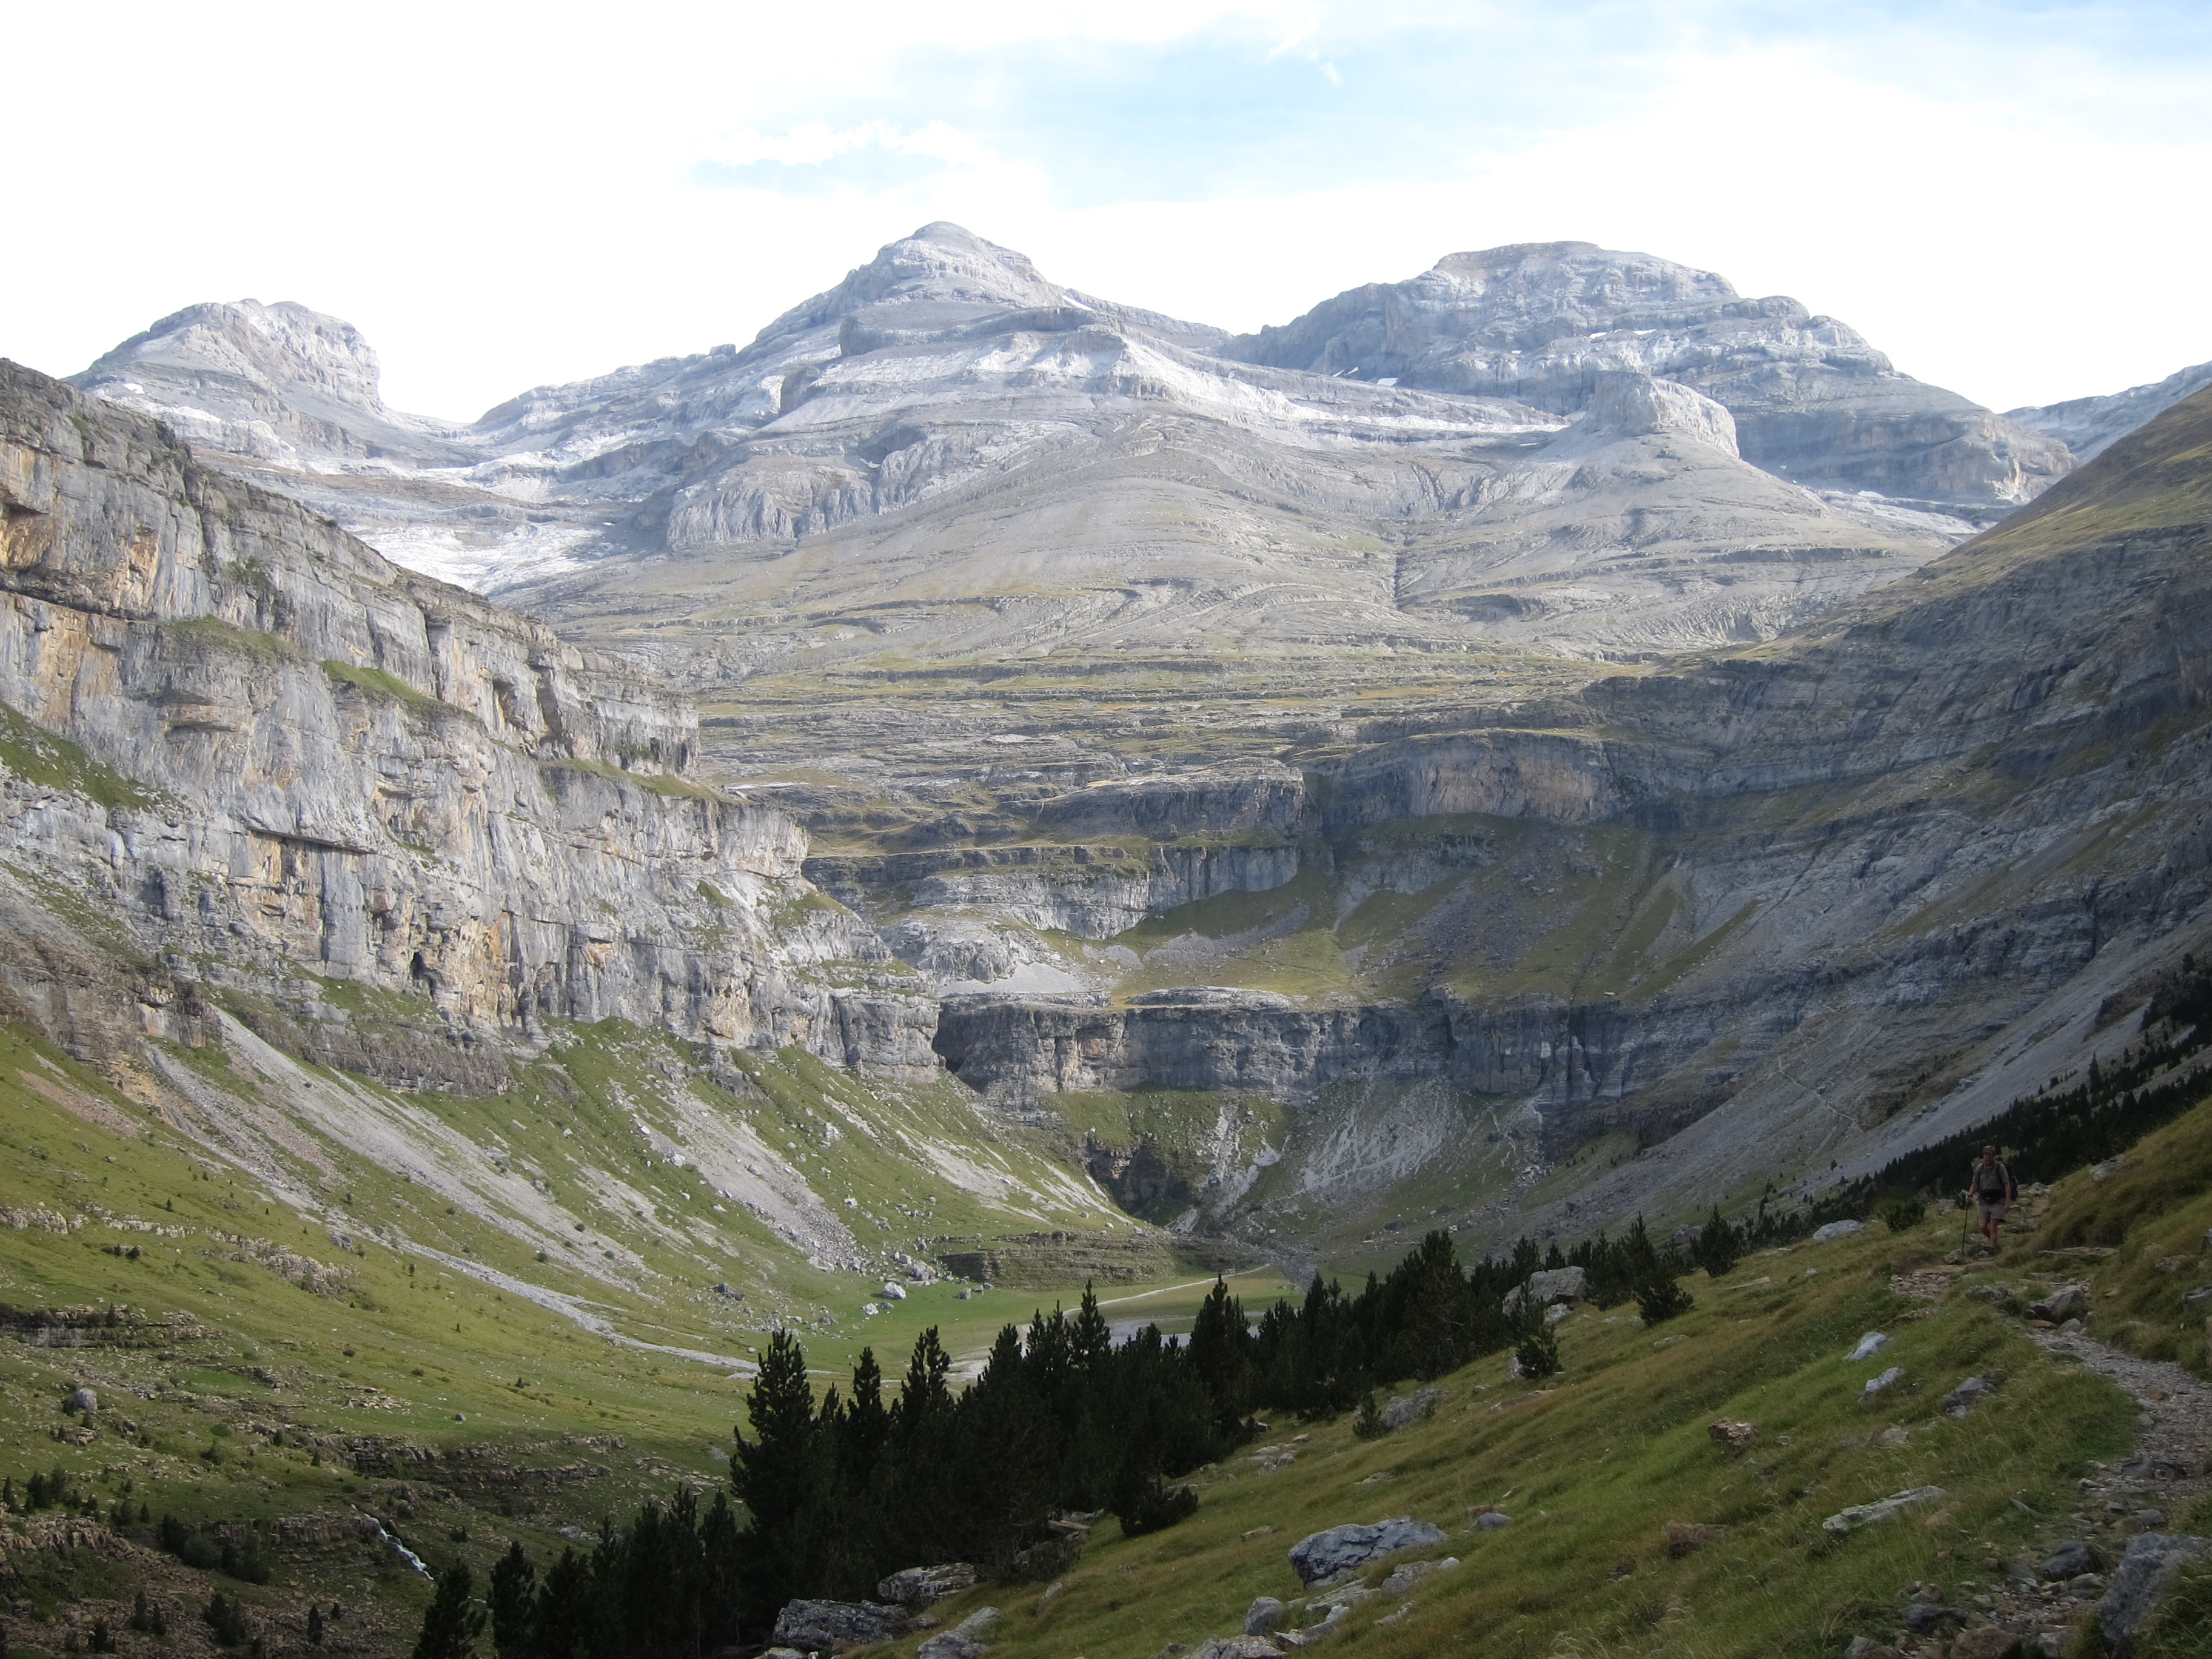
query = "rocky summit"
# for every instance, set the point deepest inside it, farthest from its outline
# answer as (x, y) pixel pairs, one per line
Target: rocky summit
(1542, 322)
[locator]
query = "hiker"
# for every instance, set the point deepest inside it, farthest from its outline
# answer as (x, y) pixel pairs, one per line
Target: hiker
(1992, 1193)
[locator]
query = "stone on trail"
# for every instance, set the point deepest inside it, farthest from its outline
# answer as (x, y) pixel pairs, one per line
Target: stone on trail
(2139, 1584)
(1324, 1554)
(2061, 1304)
(2069, 1560)
(825, 1627)
(917, 1587)
(1864, 1515)
(1986, 1641)
(1263, 1616)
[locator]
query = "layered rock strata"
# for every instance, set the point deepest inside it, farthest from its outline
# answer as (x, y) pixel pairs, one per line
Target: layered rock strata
(321, 761)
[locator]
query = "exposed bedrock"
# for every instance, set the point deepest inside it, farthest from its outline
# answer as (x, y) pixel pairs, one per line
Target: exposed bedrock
(1558, 1056)
(338, 766)
(1092, 892)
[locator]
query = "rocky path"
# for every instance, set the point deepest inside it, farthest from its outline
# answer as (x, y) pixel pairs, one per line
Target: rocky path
(2172, 1465)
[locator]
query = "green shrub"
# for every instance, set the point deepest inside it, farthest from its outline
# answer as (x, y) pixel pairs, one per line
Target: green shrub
(1659, 1299)
(1368, 1424)
(1903, 1213)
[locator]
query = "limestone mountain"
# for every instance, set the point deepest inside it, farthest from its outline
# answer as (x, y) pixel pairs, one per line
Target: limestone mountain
(2087, 425)
(1539, 322)
(919, 434)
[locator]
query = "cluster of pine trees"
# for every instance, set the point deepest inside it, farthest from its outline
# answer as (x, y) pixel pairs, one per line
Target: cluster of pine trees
(835, 1494)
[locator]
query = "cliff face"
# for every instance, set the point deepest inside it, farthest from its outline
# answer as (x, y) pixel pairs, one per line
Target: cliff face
(331, 767)
(1925, 855)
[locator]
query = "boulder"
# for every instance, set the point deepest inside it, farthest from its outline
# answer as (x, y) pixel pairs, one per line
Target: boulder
(1876, 1384)
(2197, 1297)
(1736, 1436)
(1263, 1617)
(2061, 1304)
(1962, 1399)
(1870, 1345)
(1406, 1576)
(964, 1640)
(1339, 1549)
(1412, 1407)
(1492, 1521)
(1865, 1515)
(84, 1399)
(1836, 1230)
(917, 1587)
(2069, 1560)
(1550, 1285)
(826, 1626)
(894, 1289)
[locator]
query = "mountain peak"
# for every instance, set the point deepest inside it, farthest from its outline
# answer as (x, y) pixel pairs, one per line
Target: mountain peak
(268, 348)
(945, 264)
(279, 383)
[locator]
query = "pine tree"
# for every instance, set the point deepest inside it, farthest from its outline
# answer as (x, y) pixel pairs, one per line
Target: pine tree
(1219, 1355)
(1720, 1246)
(1537, 1352)
(453, 1621)
(514, 1598)
(769, 1475)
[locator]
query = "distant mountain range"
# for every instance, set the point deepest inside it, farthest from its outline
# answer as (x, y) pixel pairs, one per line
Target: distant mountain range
(948, 456)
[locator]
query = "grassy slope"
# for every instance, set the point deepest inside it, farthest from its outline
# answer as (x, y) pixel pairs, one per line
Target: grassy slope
(257, 1417)
(1594, 1464)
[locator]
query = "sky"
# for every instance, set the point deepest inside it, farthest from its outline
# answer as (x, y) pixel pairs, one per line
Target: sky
(2008, 198)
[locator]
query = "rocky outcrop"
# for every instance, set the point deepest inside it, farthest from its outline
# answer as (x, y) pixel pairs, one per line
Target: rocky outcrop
(1320, 1556)
(830, 1626)
(1090, 891)
(319, 762)
(1544, 322)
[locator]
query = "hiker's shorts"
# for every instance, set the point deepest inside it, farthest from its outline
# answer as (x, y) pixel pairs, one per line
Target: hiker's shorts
(1993, 1209)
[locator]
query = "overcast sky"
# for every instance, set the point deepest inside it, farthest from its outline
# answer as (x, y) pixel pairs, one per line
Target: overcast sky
(2008, 198)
